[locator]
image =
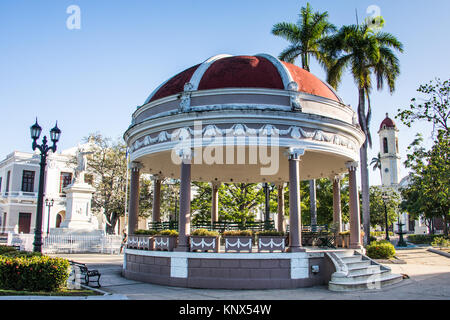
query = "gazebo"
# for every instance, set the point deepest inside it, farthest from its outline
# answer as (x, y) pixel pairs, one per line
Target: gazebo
(241, 119)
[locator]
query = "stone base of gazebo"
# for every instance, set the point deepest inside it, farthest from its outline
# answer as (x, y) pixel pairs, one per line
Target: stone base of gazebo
(229, 270)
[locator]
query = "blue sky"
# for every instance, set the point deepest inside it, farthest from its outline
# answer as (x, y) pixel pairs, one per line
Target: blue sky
(92, 79)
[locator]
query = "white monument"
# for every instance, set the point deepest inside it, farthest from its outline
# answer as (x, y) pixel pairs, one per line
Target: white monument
(79, 218)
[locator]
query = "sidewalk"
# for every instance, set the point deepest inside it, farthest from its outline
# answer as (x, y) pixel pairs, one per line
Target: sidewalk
(429, 279)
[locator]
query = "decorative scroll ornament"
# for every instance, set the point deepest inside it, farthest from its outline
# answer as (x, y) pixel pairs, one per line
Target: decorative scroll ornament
(295, 96)
(271, 244)
(162, 243)
(238, 244)
(185, 104)
(204, 244)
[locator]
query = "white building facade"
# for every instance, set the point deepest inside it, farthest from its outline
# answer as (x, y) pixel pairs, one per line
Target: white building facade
(19, 182)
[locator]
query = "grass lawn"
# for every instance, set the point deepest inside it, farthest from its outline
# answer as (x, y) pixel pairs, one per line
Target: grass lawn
(62, 292)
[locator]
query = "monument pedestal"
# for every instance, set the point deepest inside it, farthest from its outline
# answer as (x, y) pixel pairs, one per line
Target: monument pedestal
(78, 210)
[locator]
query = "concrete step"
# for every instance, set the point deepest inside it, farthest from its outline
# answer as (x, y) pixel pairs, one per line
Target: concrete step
(345, 253)
(384, 280)
(363, 270)
(368, 276)
(358, 264)
(351, 259)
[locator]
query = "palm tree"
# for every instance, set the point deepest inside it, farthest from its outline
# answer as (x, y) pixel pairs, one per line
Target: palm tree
(365, 53)
(376, 162)
(305, 37)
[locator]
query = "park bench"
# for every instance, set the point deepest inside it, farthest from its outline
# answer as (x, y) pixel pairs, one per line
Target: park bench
(87, 274)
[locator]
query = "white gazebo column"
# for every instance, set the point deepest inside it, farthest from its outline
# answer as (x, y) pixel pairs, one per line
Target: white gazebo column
(337, 211)
(355, 221)
(280, 188)
(133, 210)
(215, 202)
(184, 222)
(156, 210)
(295, 215)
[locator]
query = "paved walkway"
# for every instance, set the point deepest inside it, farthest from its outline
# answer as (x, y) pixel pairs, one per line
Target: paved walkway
(429, 280)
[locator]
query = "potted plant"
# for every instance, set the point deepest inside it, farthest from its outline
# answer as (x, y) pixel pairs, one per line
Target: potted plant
(204, 240)
(271, 240)
(238, 240)
(166, 240)
(143, 239)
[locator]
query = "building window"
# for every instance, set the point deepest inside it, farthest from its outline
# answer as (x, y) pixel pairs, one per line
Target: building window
(396, 145)
(8, 178)
(65, 180)
(1, 184)
(385, 145)
(28, 181)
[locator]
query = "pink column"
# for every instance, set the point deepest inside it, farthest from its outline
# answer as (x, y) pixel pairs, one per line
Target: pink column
(184, 223)
(355, 220)
(133, 211)
(295, 221)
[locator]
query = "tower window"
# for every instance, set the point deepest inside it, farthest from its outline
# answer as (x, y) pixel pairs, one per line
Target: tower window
(385, 145)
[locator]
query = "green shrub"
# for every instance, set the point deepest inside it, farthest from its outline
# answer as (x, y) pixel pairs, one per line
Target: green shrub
(7, 249)
(237, 233)
(440, 242)
(270, 233)
(380, 250)
(173, 233)
(204, 233)
(422, 238)
(372, 238)
(146, 232)
(35, 273)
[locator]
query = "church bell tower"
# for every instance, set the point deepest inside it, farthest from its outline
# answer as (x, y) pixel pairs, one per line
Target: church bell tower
(389, 153)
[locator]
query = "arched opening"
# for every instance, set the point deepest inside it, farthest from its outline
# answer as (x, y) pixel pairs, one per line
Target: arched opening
(60, 218)
(385, 145)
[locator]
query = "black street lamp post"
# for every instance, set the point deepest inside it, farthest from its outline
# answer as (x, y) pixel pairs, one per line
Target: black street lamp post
(49, 204)
(55, 134)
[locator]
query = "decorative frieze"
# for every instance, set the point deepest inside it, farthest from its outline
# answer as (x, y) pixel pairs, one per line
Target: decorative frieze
(242, 130)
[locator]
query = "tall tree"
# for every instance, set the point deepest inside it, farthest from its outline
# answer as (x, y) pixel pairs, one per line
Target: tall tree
(108, 166)
(428, 193)
(365, 53)
(305, 36)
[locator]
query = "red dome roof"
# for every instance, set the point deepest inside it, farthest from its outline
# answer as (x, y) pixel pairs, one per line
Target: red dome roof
(261, 71)
(388, 123)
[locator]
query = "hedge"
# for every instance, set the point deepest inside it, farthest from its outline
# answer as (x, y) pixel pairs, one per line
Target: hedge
(237, 233)
(422, 238)
(204, 233)
(380, 250)
(33, 273)
(146, 232)
(270, 233)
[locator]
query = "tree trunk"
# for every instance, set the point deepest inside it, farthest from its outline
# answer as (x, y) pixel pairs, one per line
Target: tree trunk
(445, 225)
(364, 168)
